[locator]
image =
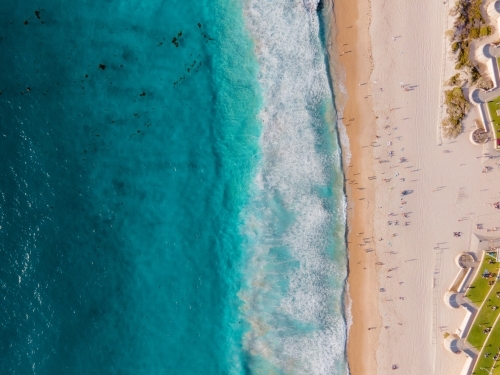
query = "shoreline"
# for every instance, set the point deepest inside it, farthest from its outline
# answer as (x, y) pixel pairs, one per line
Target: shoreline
(351, 64)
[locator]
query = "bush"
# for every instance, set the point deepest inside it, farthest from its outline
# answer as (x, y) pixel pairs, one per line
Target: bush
(454, 80)
(450, 129)
(474, 75)
(455, 98)
(484, 83)
(468, 25)
(456, 109)
(463, 55)
(485, 31)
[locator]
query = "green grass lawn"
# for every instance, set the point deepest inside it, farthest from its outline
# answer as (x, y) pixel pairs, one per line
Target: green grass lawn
(479, 288)
(485, 318)
(492, 346)
(493, 106)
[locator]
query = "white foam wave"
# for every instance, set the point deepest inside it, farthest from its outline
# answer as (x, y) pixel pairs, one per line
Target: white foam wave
(293, 297)
(311, 5)
(344, 139)
(341, 90)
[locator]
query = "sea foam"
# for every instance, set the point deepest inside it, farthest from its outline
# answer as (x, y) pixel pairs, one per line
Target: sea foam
(295, 222)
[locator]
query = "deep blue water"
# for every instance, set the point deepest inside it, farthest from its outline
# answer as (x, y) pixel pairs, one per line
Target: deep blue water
(141, 197)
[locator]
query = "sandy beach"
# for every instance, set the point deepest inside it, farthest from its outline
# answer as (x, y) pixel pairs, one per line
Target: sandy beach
(352, 62)
(402, 247)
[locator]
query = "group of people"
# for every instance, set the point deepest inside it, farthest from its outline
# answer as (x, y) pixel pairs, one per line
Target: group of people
(495, 358)
(397, 222)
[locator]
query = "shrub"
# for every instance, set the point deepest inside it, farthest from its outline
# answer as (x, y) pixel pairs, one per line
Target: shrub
(455, 98)
(456, 109)
(485, 31)
(450, 129)
(474, 33)
(463, 54)
(474, 75)
(484, 83)
(454, 80)
(468, 25)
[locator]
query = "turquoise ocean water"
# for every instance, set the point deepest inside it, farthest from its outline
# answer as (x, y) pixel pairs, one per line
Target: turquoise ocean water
(170, 189)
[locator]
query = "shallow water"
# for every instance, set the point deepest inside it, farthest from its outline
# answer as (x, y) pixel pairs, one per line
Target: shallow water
(171, 193)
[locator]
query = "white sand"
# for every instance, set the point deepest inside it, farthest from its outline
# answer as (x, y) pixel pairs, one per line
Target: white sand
(446, 181)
